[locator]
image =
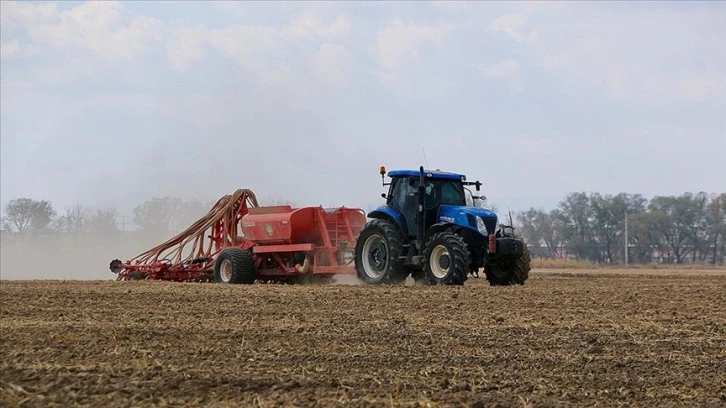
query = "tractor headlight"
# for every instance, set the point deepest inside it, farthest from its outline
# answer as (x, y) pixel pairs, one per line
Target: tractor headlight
(480, 226)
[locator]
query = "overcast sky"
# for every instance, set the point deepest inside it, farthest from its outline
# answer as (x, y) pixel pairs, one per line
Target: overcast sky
(110, 103)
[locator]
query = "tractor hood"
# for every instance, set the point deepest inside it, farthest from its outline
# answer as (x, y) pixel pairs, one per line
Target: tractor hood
(467, 216)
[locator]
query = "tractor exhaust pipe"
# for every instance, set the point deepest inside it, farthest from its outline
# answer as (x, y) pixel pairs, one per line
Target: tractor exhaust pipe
(421, 206)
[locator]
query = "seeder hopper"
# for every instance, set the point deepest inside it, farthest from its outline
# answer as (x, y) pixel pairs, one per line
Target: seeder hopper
(238, 241)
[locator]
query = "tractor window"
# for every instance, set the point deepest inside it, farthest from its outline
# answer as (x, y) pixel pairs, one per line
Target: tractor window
(469, 198)
(452, 193)
(404, 201)
(440, 192)
(400, 194)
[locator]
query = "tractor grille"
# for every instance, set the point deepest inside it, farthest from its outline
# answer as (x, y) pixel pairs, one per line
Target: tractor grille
(491, 224)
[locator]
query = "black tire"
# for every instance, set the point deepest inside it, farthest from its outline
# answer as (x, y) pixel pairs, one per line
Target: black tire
(376, 253)
(235, 265)
(514, 272)
(446, 259)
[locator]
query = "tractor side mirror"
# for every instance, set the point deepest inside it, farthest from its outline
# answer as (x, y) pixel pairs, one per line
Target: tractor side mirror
(383, 195)
(478, 185)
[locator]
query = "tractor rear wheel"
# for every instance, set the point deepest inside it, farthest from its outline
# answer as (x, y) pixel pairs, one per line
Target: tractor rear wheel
(376, 253)
(446, 259)
(514, 272)
(235, 265)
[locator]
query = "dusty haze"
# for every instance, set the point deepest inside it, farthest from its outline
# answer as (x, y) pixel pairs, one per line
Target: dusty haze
(68, 258)
(83, 258)
(109, 104)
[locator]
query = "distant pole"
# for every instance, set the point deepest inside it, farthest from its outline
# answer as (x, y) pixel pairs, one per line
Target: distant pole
(626, 238)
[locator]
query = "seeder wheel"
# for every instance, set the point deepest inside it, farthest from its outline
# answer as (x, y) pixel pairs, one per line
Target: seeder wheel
(235, 265)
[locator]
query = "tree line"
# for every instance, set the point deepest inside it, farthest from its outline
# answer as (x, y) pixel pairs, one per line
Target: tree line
(26, 217)
(666, 229)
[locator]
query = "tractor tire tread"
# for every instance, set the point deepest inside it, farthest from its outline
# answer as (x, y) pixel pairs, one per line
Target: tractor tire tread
(459, 254)
(518, 271)
(243, 265)
(396, 273)
(522, 267)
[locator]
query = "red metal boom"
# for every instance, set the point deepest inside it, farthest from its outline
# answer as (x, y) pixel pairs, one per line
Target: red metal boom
(189, 256)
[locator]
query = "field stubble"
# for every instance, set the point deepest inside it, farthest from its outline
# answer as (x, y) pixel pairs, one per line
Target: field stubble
(562, 339)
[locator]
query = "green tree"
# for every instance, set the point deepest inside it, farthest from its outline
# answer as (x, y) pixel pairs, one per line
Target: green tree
(716, 227)
(608, 223)
(676, 219)
(575, 214)
(642, 238)
(699, 231)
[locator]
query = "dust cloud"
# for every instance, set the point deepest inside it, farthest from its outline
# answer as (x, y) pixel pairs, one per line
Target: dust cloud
(346, 280)
(83, 258)
(70, 258)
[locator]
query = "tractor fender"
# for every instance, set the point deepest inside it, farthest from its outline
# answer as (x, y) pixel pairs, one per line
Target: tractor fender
(469, 234)
(441, 227)
(387, 213)
(463, 230)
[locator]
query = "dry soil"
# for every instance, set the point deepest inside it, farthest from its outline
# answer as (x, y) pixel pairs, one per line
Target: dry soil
(562, 339)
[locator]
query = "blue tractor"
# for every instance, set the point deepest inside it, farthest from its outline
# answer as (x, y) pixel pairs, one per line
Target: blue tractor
(432, 229)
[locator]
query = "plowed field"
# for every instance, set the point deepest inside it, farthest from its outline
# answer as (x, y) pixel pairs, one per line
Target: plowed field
(590, 339)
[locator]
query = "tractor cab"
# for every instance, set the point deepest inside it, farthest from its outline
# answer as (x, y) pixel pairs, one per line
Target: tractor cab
(439, 189)
(446, 200)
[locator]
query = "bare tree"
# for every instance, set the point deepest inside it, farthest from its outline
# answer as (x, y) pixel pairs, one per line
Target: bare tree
(188, 213)
(18, 214)
(531, 229)
(25, 214)
(75, 220)
(157, 214)
(539, 227)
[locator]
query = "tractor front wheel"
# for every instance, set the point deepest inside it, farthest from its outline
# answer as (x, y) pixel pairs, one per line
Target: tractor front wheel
(513, 272)
(376, 253)
(446, 259)
(235, 265)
